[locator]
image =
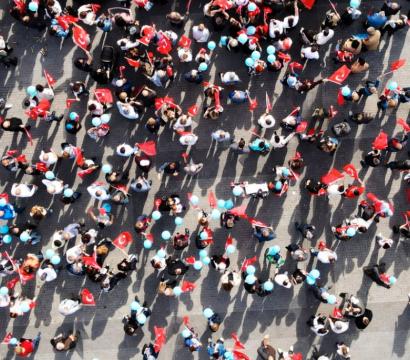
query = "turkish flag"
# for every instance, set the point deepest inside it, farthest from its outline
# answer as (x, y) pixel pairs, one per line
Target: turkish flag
(83, 173)
(4, 196)
(337, 314)
(159, 102)
(301, 127)
(397, 64)
(238, 344)
(332, 176)
(148, 147)
(308, 4)
(332, 112)
(69, 102)
(351, 171)
(248, 262)
(190, 260)
(253, 104)
(7, 338)
(40, 166)
(79, 157)
(193, 110)
(212, 199)
(285, 57)
(133, 63)
(95, 7)
(184, 42)
(223, 4)
(294, 65)
(340, 75)
(21, 158)
(164, 45)
(90, 261)
(21, 6)
(187, 286)
(185, 320)
(122, 240)
(50, 80)
(217, 98)
(104, 96)
(81, 37)
(63, 22)
(340, 98)
(239, 211)
(239, 355)
(145, 40)
(380, 142)
(160, 338)
(255, 222)
(87, 298)
(403, 124)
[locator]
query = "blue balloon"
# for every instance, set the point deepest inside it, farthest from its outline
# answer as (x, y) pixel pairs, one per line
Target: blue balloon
(33, 6)
(310, 280)
(291, 81)
(161, 253)
(346, 91)
(230, 249)
(392, 85)
(177, 291)
(198, 265)
(256, 55)
(107, 207)
(31, 91)
(25, 307)
(242, 38)
(156, 215)
(315, 274)
(268, 286)
(96, 121)
(105, 118)
(68, 192)
(206, 260)
(270, 49)
(106, 168)
(285, 172)
(271, 58)
(251, 30)
(135, 306)
(7, 239)
(203, 235)
(50, 253)
(252, 6)
(73, 115)
(165, 235)
(228, 204)
(208, 313)
(211, 45)
(179, 220)
(25, 236)
(278, 185)
(194, 200)
(3, 202)
(141, 318)
(354, 3)
(13, 341)
(250, 279)
(147, 244)
(223, 40)
(274, 250)
(331, 299)
(350, 232)
(203, 253)
(221, 203)
(250, 269)
(203, 66)
(392, 280)
(4, 229)
(228, 355)
(50, 175)
(55, 260)
(215, 214)
(4, 290)
(185, 333)
(237, 191)
(249, 62)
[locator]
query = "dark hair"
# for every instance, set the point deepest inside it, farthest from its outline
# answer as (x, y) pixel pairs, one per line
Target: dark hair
(361, 61)
(92, 107)
(39, 87)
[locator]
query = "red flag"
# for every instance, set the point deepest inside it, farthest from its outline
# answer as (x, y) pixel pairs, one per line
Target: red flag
(193, 110)
(332, 176)
(248, 262)
(104, 96)
(351, 171)
(69, 102)
(190, 260)
(184, 42)
(294, 65)
(90, 261)
(164, 45)
(187, 286)
(21, 158)
(253, 104)
(285, 57)
(301, 127)
(397, 64)
(21, 6)
(380, 142)
(340, 98)
(268, 103)
(95, 7)
(238, 344)
(239, 211)
(217, 98)
(255, 222)
(403, 124)
(12, 283)
(122, 240)
(340, 75)
(239, 355)
(81, 37)
(50, 80)
(212, 199)
(337, 313)
(7, 338)
(79, 157)
(87, 298)
(223, 4)
(148, 147)
(62, 21)
(83, 173)
(308, 4)
(133, 63)
(40, 166)
(297, 356)
(185, 320)
(160, 338)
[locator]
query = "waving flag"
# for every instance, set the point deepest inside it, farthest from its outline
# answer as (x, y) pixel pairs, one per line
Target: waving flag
(397, 64)
(187, 286)
(81, 37)
(50, 80)
(257, 223)
(149, 147)
(380, 142)
(340, 98)
(308, 4)
(190, 260)
(7, 338)
(103, 96)
(268, 103)
(351, 171)
(185, 42)
(248, 262)
(340, 75)
(87, 298)
(332, 176)
(122, 240)
(239, 211)
(239, 355)
(160, 338)
(253, 104)
(301, 127)
(90, 261)
(238, 344)
(164, 45)
(69, 102)
(403, 124)
(193, 110)
(133, 63)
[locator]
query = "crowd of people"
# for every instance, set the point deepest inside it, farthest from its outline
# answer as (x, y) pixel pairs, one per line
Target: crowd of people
(264, 34)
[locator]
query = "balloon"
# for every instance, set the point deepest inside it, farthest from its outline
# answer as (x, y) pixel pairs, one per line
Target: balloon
(268, 285)
(203, 235)
(346, 91)
(228, 355)
(310, 280)
(350, 232)
(161, 253)
(105, 118)
(4, 229)
(25, 307)
(250, 270)
(271, 58)
(147, 244)
(228, 204)
(392, 85)
(194, 200)
(251, 6)
(274, 250)
(331, 299)
(3, 202)
(25, 236)
(208, 313)
(178, 220)
(249, 62)
(315, 274)
(250, 279)
(165, 235)
(141, 318)
(392, 280)
(55, 260)
(13, 341)
(215, 214)
(221, 203)
(68, 192)
(270, 49)
(278, 185)
(185, 333)
(107, 207)
(156, 215)
(237, 191)
(203, 66)
(4, 290)
(203, 253)
(285, 172)
(177, 290)
(7, 239)
(206, 260)
(31, 91)
(33, 6)
(242, 38)
(230, 249)
(211, 45)
(96, 121)
(106, 168)
(251, 30)
(223, 40)
(291, 81)
(256, 55)
(73, 115)
(50, 253)
(354, 3)
(198, 265)
(50, 175)
(287, 44)
(135, 306)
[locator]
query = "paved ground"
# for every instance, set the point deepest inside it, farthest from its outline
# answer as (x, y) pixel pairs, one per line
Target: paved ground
(282, 315)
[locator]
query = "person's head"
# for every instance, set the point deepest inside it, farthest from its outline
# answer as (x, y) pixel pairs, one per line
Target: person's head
(85, 238)
(361, 61)
(40, 88)
(151, 122)
(326, 31)
(123, 96)
(82, 15)
(228, 286)
(92, 107)
(366, 320)
(60, 346)
(355, 43)
(98, 193)
(201, 27)
(102, 250)
(6, 124)
(265, 232)
(371, 30)
(129, 330)
(315, 48)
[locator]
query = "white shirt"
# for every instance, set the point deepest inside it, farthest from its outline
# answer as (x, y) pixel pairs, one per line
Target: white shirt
(275, 25)
(47, 94)
(24, 189)
(323, 256)
(262, 121)
(333, 189)
(68, 307)
(342, 326)
(53, 186)
(307, 53)
(99, 109)
(127, 110)
(230, 76)
(188, 139)
(280, 279)
(281, 142)
(182, 52)
(93, 188)
(129, 150)
(74, 253)
(4, 300)
(321, 39)
(200, 36)
(51, 160)
(178, 126)
(49, 272)
(286, 21)
(90, 17)
(217, 136)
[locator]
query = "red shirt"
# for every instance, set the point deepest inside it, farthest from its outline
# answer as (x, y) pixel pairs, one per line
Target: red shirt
(28, 348)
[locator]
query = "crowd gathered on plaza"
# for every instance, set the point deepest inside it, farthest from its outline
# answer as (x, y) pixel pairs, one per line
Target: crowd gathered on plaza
(264, 35)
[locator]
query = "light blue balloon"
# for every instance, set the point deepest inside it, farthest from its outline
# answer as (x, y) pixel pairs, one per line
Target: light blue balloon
(211, 45)
(177, 290)
(203, 235)
(147, 244)
(203, 253)
(331, 299)
(346, 91)
(33, 6)
(291, 81)
(228, 204)
(215, 214)
(251, 6)
(203, 66)
(392, 85)
(4, 229)
(7, 239)
(249, 62)
(25, 236)
(237, 191)
(96, 121)
(242, 38)
(165, 235)
(221, 203)
(256, 55)
(223, 40)
(4, 290)
(250, 279)
(106, 168)
(141, 318)
(161, 253)
(354, 3)
(13, 341)
(179, 220)
(194, 200)
(73, 115)
(392, 280)
(251, 30)
(228, 355)
(107, 207)
(350, 232)
(31, 91)
(271, 58)
(25, 307)
(230, 249)
(105, 118)
(50, 253)
(50, 175)
(198, 265)
(315, 274)
(273, 250)
(270, 50)
(206, 260)
(268, 286)
(156, 215)
(55, 260)
(250, 270)
(3, 202)
(278, 185)
(135, 306)
(185, 333)
(208, 313)
(310, 280)
(68, 192)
